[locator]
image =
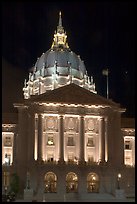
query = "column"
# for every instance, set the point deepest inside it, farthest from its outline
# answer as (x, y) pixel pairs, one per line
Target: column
(82, 135)
(102, 140)
(14, 147)
(40, 135)
(106, 139)
(31, 137)
(61, 134)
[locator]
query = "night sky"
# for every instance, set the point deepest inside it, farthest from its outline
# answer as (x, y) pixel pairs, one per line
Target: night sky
(102, 33)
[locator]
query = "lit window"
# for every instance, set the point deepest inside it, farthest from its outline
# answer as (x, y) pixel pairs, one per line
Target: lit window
(8, 142)
(50, 182)
(90, 142)
(70, 141)
(71, 182)
(50, 141)
(7, 159)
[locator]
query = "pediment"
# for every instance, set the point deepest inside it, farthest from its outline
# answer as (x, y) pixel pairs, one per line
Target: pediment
(72, 94)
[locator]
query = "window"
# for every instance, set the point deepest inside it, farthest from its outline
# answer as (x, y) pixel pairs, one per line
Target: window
(7, 159)
(50, 181)
(50, 141)
(92, 183)
(71, 182)
(70, 141)
(90, 142)
(8, 142)
(127, 145)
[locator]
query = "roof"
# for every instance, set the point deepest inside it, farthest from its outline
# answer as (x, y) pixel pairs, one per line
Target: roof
(72, 94)
(62, 57)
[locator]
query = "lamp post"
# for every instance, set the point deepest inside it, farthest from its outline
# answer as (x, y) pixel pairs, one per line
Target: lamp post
(118, 180)
(28, 181)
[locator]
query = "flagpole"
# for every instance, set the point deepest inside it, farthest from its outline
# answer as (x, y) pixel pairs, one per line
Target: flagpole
(105, 72)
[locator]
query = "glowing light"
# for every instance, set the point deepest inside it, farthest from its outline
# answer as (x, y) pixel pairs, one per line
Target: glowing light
(94, 178)
(119, 175)
(50, 142)
(6, 160)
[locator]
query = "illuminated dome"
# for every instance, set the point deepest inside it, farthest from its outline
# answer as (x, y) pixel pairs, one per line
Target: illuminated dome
(57, 67)
(61, 58)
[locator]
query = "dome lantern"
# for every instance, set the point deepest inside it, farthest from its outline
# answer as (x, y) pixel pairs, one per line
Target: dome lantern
(60, 36)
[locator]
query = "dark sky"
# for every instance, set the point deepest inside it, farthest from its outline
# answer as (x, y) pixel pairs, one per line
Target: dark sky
(102, 33)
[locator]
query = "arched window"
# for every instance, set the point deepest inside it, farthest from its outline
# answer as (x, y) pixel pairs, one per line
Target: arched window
(50, 181)
(93, 183)
(71, 182)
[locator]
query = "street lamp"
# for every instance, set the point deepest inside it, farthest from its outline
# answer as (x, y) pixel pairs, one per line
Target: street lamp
(118, 180)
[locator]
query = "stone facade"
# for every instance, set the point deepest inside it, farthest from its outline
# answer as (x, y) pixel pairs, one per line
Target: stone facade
(68, 138)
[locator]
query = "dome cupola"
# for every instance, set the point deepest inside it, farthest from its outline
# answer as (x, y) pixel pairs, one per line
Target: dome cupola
(57, 67)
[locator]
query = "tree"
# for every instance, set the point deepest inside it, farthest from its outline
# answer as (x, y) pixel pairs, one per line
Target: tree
(14, 184)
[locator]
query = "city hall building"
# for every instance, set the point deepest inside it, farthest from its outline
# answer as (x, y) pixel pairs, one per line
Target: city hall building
(67, 142)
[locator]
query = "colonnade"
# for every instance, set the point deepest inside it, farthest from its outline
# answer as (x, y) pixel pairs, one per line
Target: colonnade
(102, 138)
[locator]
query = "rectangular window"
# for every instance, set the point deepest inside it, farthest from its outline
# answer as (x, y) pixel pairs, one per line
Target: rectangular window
(7, 159)
(128, 145)
(70, 141)
(7, 142)
(90, 142)
(50, 141)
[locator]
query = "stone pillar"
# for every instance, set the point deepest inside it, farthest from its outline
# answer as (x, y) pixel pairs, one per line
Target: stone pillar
(61, 133)
(82, 140)
(102, 140)
(106, 139)
(14, 147)
(40, 135)
(31, 137)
